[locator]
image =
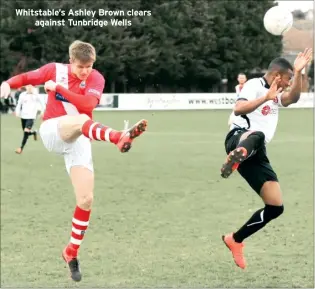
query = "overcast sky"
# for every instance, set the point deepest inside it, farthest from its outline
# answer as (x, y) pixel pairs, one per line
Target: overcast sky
(297, 5)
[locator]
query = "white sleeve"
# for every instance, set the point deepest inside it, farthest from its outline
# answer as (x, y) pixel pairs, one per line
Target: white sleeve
(249, 91)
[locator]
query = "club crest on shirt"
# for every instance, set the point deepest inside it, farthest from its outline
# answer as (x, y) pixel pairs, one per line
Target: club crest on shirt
(82, 84)
(265, 110)
(62, 81)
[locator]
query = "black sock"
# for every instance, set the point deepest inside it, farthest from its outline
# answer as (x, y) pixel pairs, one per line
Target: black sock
(25, 137)
(32, 132)
(258, 220)
(253, 142)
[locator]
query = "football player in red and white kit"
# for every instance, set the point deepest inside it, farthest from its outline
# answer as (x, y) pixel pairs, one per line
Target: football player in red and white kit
(74, 90)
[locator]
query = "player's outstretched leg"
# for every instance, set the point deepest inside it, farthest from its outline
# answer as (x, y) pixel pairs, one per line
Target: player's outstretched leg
(122, 139)
(71, 127)
(272, 197)
(246, 147)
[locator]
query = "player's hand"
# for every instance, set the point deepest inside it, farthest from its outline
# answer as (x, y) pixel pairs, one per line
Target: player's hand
(302, 59)
(5, 90)
(274, 90)
(50, 86)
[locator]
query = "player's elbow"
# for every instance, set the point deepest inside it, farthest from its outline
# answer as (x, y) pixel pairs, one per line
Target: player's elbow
(296, 97)
(290, 99)
(237, 110)
(89, 106)
(240, 108)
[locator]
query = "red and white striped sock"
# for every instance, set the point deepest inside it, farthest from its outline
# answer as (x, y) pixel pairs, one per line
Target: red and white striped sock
(80, 222)
(96, 131)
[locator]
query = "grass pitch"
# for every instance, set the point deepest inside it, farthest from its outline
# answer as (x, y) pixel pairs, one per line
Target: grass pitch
(159, 210)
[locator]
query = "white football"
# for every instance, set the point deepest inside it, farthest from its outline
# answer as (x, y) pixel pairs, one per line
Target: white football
(278, 21)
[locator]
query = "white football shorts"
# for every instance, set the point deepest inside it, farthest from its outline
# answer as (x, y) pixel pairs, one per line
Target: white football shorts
(77, 153)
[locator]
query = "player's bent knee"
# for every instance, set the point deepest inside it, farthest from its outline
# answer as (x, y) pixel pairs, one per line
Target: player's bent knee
(273, 212)
(73, 120)
(70, 127)
(259, 135)
(83, 118)
(27, 130)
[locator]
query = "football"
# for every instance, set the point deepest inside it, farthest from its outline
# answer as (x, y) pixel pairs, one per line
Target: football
(278, 20)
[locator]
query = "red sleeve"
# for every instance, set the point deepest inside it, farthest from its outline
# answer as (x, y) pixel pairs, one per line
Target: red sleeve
(95, 86)
(88, 101)
(34, 77)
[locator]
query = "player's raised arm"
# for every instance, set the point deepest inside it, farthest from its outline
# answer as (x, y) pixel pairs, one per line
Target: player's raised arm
(293, 95)
(86, 102)
(34, 77)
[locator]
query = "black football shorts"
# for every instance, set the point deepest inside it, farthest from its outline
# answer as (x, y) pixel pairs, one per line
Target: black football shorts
(256, 170)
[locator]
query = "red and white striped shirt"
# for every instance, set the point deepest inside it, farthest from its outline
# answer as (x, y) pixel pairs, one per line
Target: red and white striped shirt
(72, 96)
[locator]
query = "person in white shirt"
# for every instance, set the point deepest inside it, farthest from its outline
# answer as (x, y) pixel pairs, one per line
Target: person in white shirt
(241, 78)
(257, 111)
(27, 109)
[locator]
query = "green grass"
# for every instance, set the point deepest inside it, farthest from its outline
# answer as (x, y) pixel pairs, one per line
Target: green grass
(159, 210)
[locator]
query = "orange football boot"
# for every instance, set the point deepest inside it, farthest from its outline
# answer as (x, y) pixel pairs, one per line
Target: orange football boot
(127, 137)
(233, 161)
(236, 250)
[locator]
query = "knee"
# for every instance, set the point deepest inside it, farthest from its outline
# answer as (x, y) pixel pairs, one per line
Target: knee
(259, 135)
(73, 120)
(70, 127)
(85, 201)
(80, 120)
(83, 118)
(259, 138)
(273, 212)
(27, 130)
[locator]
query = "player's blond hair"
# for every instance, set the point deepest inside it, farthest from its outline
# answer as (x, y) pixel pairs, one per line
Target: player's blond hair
(82, 51)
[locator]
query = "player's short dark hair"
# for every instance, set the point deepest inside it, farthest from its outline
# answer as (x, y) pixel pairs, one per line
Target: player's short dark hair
(280, 64)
